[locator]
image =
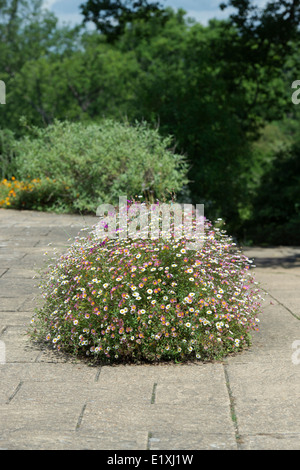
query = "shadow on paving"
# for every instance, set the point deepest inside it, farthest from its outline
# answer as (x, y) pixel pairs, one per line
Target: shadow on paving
(286, 262)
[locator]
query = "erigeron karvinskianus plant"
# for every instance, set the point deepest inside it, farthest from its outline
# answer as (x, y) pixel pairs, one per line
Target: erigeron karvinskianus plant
(143, 299)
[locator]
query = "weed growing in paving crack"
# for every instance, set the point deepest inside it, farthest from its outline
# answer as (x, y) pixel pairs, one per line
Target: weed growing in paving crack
(131, 300)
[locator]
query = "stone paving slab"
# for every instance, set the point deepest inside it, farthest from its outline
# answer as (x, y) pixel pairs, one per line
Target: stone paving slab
(18, 349)
(162, 418)
(177, 440)
(270, 385)
(19, 273)
(272, 441)
(55, 373)
(278, 417)
(8, 319)
(34, 418)
(266, 389)
(12, 287)
(47, 401)
(8, 304)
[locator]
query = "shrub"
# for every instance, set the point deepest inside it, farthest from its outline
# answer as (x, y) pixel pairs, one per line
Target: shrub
(100, 162)
(135, 299)
(7, 153)
(37, 194)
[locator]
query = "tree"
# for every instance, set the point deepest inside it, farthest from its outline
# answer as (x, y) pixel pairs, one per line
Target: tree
(213, 90)
(275, 216)
(184, 88)
(111, 16)
(257, 46)
(29, 32)
(92, 82)
(276, 24)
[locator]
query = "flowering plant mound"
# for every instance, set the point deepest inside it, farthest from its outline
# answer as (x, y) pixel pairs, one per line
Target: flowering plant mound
(134, 299)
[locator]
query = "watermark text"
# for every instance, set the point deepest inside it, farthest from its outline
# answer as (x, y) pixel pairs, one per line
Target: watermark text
(2, 92)
(295, 99)
(296, 353)
(159, 220)
(2, 353)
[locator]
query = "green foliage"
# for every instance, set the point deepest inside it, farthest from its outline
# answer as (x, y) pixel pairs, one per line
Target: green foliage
(31, 42)
(213, 88)
(184, 89)
(276, 207)
(7, 143)
(273, 138)
(99, 162)
(274, 24)
(112, 16)
(91, 83)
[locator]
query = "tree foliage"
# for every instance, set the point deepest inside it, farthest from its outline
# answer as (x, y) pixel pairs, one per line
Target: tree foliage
(215, 88)
(276, 206)
(112, 16)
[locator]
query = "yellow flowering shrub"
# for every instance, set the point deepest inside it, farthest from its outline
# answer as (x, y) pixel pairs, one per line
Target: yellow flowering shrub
(34, 194)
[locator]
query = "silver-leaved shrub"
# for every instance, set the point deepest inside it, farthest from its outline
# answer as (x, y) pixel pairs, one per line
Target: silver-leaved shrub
(96, 163)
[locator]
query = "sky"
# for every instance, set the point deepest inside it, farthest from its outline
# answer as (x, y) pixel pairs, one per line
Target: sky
(202, 10)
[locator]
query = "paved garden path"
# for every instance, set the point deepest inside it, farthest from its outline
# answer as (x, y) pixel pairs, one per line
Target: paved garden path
(250, 401)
